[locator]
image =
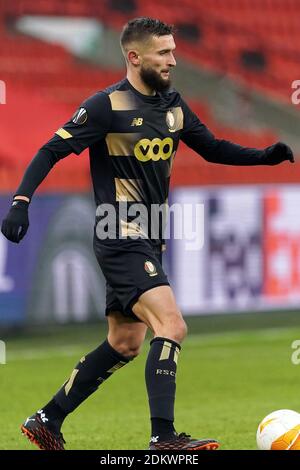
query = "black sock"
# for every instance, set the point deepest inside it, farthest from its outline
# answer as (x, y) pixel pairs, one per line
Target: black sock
(162, 429)
(55, 414)
(90, 372)
(160, 377)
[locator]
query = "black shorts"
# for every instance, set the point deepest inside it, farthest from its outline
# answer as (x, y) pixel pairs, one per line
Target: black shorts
(130, 267)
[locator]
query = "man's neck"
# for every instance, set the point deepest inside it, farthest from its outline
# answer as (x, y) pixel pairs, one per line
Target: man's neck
(139, 85)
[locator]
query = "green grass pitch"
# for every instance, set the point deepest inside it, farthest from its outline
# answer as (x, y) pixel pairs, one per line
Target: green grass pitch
(227, 381)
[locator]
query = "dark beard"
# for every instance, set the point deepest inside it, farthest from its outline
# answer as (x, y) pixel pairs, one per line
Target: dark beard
(153, 80)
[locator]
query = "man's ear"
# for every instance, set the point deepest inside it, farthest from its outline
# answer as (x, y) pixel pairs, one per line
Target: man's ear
(133, 57)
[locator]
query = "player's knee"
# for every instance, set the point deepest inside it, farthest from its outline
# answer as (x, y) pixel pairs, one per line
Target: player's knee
(175, 328)
(128, 349)
(184, 330)
(179, 330)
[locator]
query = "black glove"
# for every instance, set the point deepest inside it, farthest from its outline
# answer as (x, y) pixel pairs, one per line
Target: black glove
(277, 153)
(16, 223)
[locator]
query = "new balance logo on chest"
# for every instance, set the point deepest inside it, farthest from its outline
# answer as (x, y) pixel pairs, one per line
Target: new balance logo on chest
(137, 122)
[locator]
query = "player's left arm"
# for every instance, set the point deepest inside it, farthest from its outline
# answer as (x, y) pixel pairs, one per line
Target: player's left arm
(198, 137)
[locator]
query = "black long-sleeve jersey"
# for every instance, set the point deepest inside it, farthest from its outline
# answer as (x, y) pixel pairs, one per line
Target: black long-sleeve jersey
(132, 140)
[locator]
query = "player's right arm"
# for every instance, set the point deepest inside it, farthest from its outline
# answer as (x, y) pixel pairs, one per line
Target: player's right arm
(89, 124)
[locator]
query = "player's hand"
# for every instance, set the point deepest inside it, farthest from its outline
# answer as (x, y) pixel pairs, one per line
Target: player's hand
(279, 152)
(16, 223)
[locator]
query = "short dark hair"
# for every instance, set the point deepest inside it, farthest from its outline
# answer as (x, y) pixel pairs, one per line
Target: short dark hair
(139, 29)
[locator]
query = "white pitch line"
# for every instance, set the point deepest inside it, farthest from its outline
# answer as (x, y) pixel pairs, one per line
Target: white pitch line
(228, 337)
(268, 334)
(39, 353)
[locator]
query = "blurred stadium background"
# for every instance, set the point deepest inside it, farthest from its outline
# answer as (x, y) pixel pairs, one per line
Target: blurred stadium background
(237, 60)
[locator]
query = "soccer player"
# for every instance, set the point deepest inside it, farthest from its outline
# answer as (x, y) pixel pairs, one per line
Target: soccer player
(132, 129)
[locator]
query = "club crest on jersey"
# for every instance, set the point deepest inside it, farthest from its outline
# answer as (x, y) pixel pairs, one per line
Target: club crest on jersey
(80, 117)
(150, 268)
(171, 121)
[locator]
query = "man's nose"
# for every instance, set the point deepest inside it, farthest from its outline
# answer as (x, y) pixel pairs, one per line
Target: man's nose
(172, 61)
